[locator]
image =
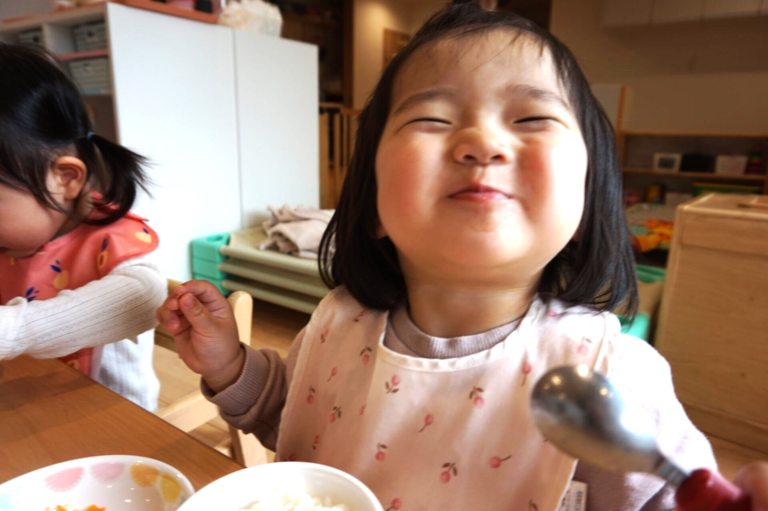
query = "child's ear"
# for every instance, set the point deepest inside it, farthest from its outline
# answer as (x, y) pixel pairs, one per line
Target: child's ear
(67, 177)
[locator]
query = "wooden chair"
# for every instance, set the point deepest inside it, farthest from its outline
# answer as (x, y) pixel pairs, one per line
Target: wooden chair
(193, 410)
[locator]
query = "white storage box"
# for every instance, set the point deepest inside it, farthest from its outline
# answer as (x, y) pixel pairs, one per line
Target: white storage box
(91, 75)
(90, 36)
(32, 37)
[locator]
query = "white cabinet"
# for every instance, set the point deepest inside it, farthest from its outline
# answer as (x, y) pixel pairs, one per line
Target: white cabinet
(728, 8)
(174, 93)
(620, 13)
(277, 109)
(670, 11)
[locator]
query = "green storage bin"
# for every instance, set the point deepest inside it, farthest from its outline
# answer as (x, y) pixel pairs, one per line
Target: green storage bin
(650, 274)
(640, 327)
(702, 188)
(217, 283)
(208, 268)
(208, 248)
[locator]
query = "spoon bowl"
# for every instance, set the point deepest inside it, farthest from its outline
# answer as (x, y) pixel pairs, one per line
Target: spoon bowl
(582, 413)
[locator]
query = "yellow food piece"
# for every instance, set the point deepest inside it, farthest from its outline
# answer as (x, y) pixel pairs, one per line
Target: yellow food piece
(143, 475)
(170, 488)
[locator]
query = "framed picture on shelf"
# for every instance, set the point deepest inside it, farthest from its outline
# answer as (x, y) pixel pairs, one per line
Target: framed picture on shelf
(667, 162)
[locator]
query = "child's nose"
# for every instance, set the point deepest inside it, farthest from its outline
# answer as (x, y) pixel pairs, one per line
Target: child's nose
(478, 148)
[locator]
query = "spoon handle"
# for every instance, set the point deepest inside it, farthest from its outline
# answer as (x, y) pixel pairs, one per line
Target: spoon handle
(708, 491)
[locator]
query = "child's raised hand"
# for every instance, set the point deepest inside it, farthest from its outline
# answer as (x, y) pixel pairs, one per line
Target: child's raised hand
(204, 329)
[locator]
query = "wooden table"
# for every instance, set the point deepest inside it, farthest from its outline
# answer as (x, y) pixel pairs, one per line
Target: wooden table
(51, 413)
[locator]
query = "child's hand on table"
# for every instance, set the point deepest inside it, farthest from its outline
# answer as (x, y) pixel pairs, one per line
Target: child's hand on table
(204, 329)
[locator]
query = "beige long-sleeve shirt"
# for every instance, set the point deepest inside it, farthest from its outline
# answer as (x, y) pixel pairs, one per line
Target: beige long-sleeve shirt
(255, 401)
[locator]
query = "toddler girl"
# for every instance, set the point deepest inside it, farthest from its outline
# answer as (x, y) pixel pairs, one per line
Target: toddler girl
(76, 276)
(479, 242)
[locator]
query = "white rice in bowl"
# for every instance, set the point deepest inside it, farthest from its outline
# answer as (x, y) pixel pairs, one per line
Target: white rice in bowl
(281, 500)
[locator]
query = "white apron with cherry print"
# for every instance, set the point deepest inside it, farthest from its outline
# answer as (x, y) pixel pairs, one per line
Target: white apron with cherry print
(430, 434)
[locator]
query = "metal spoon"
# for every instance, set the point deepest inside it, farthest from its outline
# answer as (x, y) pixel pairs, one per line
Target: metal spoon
(582, 414)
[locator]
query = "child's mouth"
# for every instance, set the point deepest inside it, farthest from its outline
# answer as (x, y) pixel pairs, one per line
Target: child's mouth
(480, 193)
(3, 250)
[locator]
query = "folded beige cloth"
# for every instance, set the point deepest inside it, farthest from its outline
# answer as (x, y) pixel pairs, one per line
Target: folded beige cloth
(296, 230)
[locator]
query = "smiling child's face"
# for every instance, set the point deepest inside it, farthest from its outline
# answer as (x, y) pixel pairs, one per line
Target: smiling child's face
(481, 168)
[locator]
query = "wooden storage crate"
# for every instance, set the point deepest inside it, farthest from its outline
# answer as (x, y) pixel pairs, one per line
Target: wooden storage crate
(713, 326)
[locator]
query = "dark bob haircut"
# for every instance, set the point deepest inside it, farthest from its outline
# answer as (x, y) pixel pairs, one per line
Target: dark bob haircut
(42, 117)
(597, 270)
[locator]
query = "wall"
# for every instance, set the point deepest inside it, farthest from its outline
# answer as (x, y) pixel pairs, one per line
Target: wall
(371, 17)
(707, 76)
(420, 10)
(18, 8)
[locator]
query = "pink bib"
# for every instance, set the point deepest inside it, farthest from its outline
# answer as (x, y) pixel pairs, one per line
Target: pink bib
(436, 434)
(87, 253)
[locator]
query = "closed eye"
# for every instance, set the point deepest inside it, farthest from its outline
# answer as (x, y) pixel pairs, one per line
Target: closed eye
(534, 119)
(430, 119)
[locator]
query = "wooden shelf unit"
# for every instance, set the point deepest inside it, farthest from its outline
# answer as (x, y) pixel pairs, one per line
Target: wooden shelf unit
(630, 165)
(69, 17)
(171, 10)
(83, 55)
(652, 133)
(704, 176)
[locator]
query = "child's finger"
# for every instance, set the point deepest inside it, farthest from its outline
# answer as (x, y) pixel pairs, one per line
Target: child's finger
(754, 480)
(196, 314)
(206, 292)
(172, 303)
(179, 325)
(167, 318)
(163, 315)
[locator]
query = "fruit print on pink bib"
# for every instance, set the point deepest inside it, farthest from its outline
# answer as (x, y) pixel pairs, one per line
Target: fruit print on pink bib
(429, 433)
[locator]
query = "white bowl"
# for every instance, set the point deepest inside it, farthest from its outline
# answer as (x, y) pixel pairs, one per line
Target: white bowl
(243, 488)
(117, 483)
